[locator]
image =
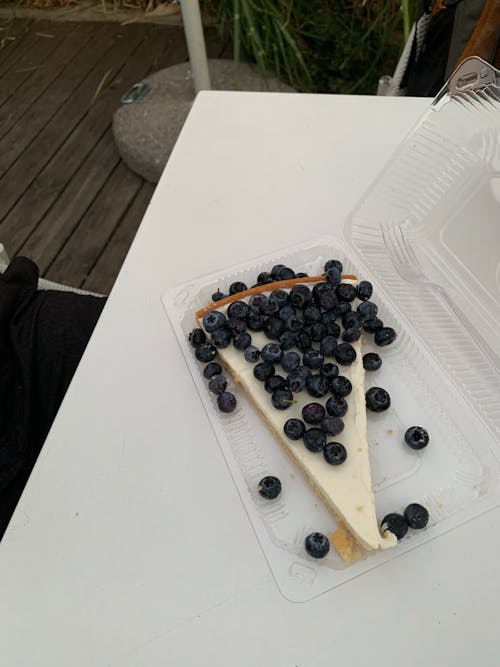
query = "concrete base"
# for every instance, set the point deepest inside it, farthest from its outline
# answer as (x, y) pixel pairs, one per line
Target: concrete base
(146, 131)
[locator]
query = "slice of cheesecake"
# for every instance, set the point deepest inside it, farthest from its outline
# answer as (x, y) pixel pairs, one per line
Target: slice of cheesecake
(346, 489)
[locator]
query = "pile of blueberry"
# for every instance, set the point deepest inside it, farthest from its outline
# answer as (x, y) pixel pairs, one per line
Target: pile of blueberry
(217, 383)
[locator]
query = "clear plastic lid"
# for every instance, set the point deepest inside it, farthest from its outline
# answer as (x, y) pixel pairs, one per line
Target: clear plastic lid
(429, 232)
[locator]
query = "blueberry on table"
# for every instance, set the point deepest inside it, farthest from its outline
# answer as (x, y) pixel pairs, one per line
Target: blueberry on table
(336, 406)
(332, 425)
(236, 287)
(255, 302)
(205, 352)
(318, 290)
(340, 386)
(371, 361)
(304, 341)
(221, 338)
(269, 487)
(294, 324)
(217, 384)
(255, 322)
(372, 326)
(334, 453)
(197, 337)
(351, 319)
(329, 344)
(313, 359)
(377, 399)
(226, 401)
(313, 413)
(269, 307)
(342, 308)
(214, 320)
(395, 524)
(275, 271)
(236, 326)
(328, 301)
(280, 297)
(417, 516)
(345, 292)
(329, 371)
(351, 335)
(317, 385)
(282, 399)
(365, 290)
(385, 336)
(318, 332)
(263, 370)
(274, 327)
(242, 341)
(274, 382)
(314, 439)
(333, 276)
(217, 296)
(333, 264)
(300, 296)
(251, 354)
(296, 381)
(238, 309)
(294, 429)
(290, 361)
(368, 310)
(312, 314)
(211, 369)
(416, 437)
(317, 545)
(287, 340)
(272, 353)
(344, 354)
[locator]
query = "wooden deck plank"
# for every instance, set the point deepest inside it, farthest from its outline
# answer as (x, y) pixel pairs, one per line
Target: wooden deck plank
(19, 30)
(31, 208)
(26, 95)
(49, 119)
(103, 274)
(63, 123)
(79, 255)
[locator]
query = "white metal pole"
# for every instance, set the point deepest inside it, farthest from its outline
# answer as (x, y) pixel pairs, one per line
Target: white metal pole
(193, 29)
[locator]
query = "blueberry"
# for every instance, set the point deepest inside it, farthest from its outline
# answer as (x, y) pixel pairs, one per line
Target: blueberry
(211, 369)
(255, 302)
(217, 384)
(238, 309)
(372, 326)
(333, 264)
(364, 290)
(332, 425)
(385, 336)
(205, 352)
(395, 524)
(287, 340)
(342, 308)
(313, 413)
(286, 312)
(242, 341)
(334, 453)
(271, 352)
(304, 341)
(296, 381)
(317, 385)
(217, 296)
(286, 273)
(221, 338)
(318, 290)
(416, 437)
(264, 278)
(377, 399)
(313, 359)
(280, 297)
(269, 487)
(269, 307)
(300, 296)
(351, 319)
(336, 406)
(235, 288)
(226, 401)
(416, 516)
(255, 322)
(274, 327)
(196, 337)
(351, 335)
(274, 382)
(368, 310)
(345, 354)
(282, 399)
(251, 354)
(328, 345)
(314, 439)
(236, 326)
(328, 317)
(340, 386)
(317, 545)
(214, 320)
(328, 301)
(275, 271)
(318, 332)
(345, 292)
(290, 361)
(371, 361)
(294, 323)
(294, 429)
(301, 274)
(329, 371)
(312, 314)
(333, 276)
(263, 370)
(304, 372)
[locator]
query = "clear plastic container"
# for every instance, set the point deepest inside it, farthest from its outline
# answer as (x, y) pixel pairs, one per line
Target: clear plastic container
(427, 235)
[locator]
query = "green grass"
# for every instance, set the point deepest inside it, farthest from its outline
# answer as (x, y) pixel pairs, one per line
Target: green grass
(318, 45)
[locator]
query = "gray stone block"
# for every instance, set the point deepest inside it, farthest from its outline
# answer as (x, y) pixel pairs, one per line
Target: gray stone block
(146, 131)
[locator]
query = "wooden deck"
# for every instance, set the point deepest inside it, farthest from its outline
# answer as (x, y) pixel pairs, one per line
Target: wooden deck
(67, 201)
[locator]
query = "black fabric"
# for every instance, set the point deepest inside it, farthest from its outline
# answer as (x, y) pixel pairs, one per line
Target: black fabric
(43, 335)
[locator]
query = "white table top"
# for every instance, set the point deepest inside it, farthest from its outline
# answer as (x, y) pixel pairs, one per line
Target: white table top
(129, 548)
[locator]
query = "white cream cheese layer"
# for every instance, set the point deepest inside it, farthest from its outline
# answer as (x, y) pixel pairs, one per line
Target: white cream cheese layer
(346, 489)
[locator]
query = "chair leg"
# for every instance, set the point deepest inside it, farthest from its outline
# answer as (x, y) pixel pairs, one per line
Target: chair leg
(4, 258)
